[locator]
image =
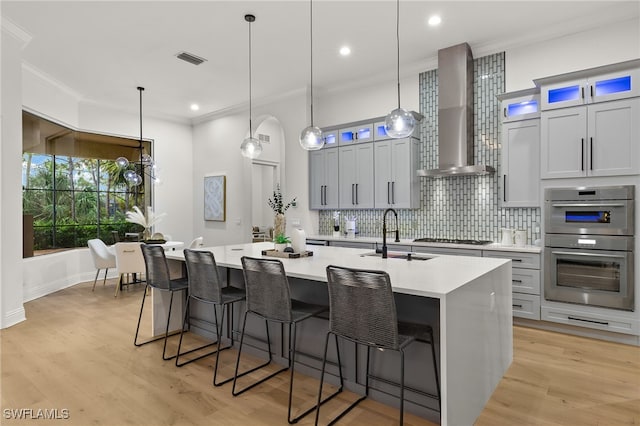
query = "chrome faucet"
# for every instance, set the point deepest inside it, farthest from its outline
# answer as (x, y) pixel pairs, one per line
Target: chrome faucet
(384, 231)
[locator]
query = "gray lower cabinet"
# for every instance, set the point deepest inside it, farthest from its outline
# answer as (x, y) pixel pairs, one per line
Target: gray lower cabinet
(352, 244)
(447, 251)
(525, 277)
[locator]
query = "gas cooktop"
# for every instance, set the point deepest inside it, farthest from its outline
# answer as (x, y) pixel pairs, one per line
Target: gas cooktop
(452, 241)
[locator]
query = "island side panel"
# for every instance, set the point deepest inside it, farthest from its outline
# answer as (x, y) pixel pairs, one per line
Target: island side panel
(477, 344)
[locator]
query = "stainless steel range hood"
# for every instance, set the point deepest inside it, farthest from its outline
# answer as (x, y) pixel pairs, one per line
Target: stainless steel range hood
(455, 115)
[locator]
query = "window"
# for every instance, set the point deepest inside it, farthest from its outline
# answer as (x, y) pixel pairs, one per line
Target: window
(72, 188)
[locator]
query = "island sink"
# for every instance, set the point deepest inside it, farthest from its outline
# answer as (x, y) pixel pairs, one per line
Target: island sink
(400, 255)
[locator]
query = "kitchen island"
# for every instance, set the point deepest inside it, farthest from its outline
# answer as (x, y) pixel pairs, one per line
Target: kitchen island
(466, 300)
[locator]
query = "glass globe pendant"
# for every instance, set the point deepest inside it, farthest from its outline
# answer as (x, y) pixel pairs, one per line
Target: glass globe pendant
(122, 162)
(251, 148)
(311, 138)
(399, 123)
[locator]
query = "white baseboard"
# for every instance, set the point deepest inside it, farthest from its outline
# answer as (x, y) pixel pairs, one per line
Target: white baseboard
(13, 317)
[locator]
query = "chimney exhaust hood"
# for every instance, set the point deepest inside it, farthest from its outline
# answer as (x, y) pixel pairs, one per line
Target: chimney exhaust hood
(455, 115)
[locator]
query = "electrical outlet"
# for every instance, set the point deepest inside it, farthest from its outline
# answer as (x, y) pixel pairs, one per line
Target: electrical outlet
(295, 222)
(238, 222)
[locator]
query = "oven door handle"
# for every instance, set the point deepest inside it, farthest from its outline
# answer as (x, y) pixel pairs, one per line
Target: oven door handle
(588, 205)
(569, 253)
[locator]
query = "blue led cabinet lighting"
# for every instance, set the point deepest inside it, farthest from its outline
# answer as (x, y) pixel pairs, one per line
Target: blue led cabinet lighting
(364, 133)
(614, 85)
(522, 108)
(346, 136)
(330, 139)
(564, 94)
(381, 131)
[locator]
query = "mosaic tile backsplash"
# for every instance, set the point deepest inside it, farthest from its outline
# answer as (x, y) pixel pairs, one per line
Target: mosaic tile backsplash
(463, 207)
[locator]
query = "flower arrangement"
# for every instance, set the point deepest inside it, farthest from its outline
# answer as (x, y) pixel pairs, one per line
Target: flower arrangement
(147, 221)
(276, 203)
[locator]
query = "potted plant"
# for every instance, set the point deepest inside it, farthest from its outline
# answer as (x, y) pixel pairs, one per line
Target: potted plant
(279, 207)
(281, 241)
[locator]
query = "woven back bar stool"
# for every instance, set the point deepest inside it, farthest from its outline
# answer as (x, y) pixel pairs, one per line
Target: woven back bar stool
(205, 286)
(362, 309)
(269, 297)
(157, 274)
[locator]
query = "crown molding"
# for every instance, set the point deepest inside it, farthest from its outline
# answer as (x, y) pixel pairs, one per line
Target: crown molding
(27, 67)
(15, 31)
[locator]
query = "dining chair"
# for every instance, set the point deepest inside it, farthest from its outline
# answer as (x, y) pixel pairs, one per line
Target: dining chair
(269, 297)
(102, 259)
(129, 260)
(205, 286)
(159, 278)
(362, 310)
(196, 243)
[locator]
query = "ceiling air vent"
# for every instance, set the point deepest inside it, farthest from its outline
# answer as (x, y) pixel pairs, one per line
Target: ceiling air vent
(192, 59)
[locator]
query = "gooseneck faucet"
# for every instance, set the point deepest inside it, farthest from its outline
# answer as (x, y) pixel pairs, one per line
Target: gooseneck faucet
(384, 231)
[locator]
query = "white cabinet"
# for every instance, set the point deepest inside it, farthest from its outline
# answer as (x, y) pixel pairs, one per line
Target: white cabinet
(520, 148)
(356, 176)
(593, 140)
(590, 86)
(323, 179)
(525, 278)
(521, 163)
(396, 179)
(356, 134)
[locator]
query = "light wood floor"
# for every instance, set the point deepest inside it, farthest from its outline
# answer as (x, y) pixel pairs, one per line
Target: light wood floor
(75, 352)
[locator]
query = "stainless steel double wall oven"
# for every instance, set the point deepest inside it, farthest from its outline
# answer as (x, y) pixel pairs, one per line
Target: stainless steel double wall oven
(589, 246)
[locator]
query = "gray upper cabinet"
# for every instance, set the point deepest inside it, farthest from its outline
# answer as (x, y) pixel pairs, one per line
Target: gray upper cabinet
(396, 178)
(593, 140)
(323, 179)
(589, 122)
(356, 176)
(520, 152)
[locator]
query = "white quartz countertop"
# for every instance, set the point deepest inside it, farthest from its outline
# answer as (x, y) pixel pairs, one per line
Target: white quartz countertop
(410, 242)
(435, 277)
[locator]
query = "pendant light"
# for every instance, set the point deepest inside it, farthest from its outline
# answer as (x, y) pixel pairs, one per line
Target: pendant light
(145, 160)
(250, 147)
(399, 123)
(311, 137)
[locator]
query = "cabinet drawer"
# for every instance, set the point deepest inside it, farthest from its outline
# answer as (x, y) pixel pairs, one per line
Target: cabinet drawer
(449, 251)
(525, 280)
(595, 321)
(526, 306)
(519, 259)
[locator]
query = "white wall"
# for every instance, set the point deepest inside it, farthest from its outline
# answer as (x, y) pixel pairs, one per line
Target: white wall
(42, 94)
(11, 308)
(600, 46)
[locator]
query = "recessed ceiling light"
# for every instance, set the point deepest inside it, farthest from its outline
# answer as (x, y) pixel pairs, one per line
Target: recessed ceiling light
(345, 51)
(434, 20)
(195, 107)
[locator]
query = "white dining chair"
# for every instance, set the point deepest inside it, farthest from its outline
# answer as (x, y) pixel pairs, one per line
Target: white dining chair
(102, 259)
(129, 260)
(196, 243)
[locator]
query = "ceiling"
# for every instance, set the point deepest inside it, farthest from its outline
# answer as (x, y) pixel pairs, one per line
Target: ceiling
(101, 51)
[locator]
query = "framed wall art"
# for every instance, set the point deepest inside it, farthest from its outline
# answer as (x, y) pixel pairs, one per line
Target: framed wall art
(215, 198)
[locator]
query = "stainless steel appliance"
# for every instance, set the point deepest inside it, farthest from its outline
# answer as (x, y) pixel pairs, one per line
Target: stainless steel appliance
(589, 245)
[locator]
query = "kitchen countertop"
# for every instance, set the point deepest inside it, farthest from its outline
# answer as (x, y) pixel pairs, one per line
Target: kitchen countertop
(410, 242)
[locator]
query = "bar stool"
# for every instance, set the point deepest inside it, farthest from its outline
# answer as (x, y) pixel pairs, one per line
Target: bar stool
(157, 273)
(205, 286)
(362, 310)
(269, 297)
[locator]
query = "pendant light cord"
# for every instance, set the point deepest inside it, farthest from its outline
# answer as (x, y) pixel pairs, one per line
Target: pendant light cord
(398, 46)
(311, 54)
(140, 89)
(250, 124)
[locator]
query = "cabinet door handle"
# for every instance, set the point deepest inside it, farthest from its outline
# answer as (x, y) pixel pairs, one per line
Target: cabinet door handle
(504, 112)
(355, 135)
(591, 90)
(587, 320)
(352, 196)
(516, 281)
(591, 153)
(517, 306)
(388, 192)
(582, 154)
(393, 192)
(356, 193)
(325, 195)
(504, 188)
(582, 92)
